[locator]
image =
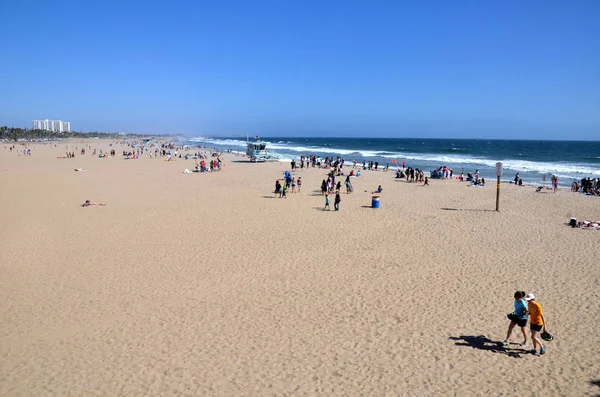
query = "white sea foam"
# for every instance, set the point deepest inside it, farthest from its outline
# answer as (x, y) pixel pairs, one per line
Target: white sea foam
(216, 141)
(565, 170)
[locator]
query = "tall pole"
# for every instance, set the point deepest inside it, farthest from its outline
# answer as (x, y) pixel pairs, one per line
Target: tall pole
(498, 174)
(498, 195)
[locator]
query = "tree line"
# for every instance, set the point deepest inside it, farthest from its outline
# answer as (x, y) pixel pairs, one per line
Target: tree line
(16, 134)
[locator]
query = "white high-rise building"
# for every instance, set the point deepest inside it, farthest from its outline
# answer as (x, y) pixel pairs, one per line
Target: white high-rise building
(52, 125)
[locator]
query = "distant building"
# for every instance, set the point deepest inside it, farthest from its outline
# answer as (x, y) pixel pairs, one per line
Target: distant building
(52, 125)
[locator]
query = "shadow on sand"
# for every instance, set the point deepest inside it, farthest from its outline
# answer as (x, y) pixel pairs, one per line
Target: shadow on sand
(483, 343)
(596, 382)
(468, 209)
(322, 209)
(270, 196)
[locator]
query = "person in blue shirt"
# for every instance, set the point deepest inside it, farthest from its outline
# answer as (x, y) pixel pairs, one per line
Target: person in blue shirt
(521, 318)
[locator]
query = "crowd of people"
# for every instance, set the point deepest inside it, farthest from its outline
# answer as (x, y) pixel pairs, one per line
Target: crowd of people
(473, 178)
(334, 163)
(588, 186)
(329, 186)
(442, 172)
(290, 183)
(412, 175)
(24, 151)
(213, 165)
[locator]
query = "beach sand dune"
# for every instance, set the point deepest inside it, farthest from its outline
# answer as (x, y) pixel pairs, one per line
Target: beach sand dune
(206, 284)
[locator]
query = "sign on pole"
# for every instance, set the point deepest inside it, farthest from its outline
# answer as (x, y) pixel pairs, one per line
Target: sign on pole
(498, 169)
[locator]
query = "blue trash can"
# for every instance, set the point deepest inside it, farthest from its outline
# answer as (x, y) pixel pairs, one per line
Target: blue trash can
(375, 202)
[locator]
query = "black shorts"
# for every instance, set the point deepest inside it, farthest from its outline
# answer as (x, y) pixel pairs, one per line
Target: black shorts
(536, 328)
(521, 323)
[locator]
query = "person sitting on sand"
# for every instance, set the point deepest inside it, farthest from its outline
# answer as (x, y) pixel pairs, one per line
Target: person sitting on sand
(90, 203)
(379, 189)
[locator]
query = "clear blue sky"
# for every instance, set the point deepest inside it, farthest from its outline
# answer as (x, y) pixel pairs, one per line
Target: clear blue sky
(500, 69)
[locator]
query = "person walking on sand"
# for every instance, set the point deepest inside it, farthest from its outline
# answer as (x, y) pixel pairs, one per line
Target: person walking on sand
(277, 188)
(299, 184)
(520, 319)
(537, 323)
(336, 202)
(327, 203)
(283, 191)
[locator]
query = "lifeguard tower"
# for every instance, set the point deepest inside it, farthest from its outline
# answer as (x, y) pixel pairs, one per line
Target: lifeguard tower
(257, 151)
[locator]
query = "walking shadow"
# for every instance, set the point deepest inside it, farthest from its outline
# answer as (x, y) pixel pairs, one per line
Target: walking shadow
(468, 209)
(596, 383)
(483, 343)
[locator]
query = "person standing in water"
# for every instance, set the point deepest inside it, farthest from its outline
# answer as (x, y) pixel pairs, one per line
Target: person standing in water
(520, 320)
(554, 183)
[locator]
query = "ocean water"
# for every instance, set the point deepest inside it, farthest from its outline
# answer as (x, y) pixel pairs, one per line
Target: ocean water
(569, 160)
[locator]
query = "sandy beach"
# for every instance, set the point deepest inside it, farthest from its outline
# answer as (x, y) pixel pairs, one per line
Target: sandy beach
(208, 285)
